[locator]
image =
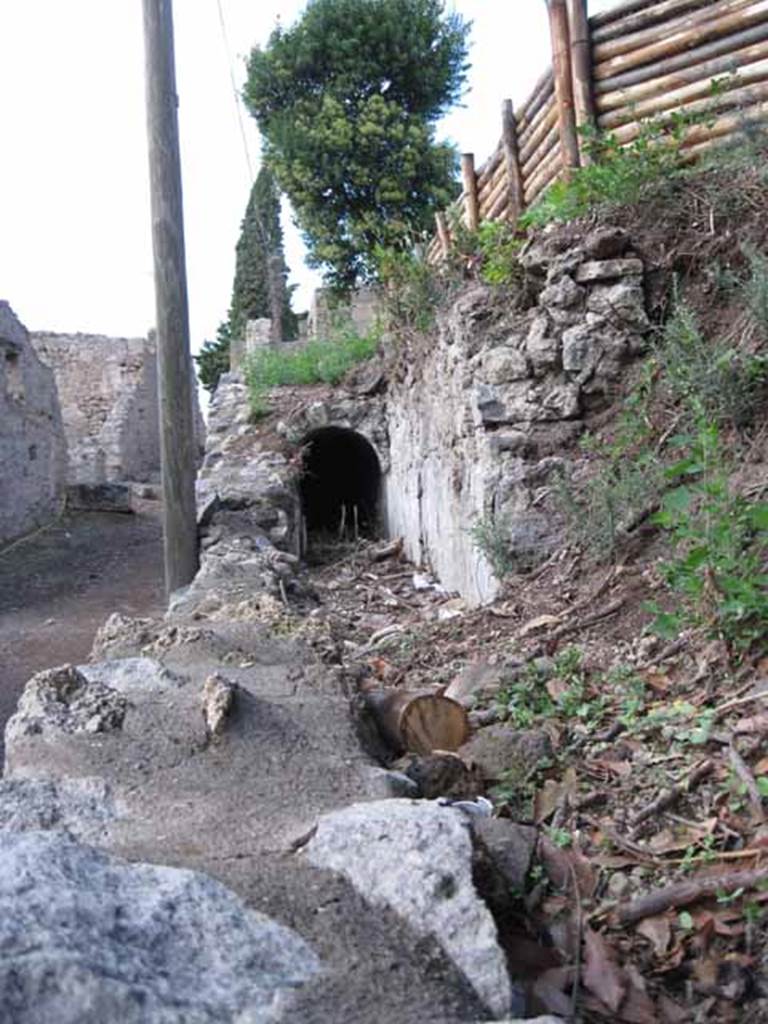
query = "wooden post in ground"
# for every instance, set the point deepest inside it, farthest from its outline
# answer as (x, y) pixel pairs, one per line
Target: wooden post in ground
(516, 192)
(443, 234)
(561, 68)
(581, 71)
(174, 363)
(469, 179)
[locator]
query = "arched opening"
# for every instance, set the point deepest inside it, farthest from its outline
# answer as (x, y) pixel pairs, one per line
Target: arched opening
(340, 483)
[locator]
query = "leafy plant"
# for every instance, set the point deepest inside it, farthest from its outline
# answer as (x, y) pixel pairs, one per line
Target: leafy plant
(490, 533)
(314, 362)
(498, 248)
(616, 173)
(720, 541)
(412, 290)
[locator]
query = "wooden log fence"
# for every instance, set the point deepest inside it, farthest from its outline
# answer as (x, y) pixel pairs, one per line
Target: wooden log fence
(643, 59)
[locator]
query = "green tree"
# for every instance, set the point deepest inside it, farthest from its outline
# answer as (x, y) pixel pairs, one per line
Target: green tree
(346, 101)
(259, 288)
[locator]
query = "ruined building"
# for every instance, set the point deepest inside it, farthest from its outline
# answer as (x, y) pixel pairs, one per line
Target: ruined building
(32, 447)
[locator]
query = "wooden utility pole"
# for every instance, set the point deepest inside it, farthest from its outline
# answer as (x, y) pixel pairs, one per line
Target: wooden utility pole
(174, 363)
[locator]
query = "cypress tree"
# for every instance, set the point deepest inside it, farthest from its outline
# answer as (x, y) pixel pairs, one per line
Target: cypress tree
(259, 288)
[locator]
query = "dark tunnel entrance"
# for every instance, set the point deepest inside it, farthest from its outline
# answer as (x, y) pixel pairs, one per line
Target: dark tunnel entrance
(340, 484)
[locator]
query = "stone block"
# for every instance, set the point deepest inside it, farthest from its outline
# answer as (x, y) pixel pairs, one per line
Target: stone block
(88, 938)
(99, 498)
(606, 243)
(502, 365)
(542, 345)
(564, 293)
(580, 350)
(415, 857)
(608, 270)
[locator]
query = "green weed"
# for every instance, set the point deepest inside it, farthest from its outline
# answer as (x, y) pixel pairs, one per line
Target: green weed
(315, 362)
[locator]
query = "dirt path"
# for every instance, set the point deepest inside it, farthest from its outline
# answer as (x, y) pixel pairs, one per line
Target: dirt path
(59, 585)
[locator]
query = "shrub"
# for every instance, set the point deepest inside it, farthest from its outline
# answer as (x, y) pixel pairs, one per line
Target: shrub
(312, 363)
(720, 542)
(616, 175)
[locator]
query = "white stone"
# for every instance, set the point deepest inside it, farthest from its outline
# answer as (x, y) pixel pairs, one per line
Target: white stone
(88, 938)
(415, 857)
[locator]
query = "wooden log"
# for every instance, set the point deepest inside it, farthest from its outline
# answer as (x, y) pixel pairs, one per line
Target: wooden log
(501, 209)
(726, 124)
(533, 141)
(657, 12)
(691, 98)
(502, 188)
(547, 116)
(542, 184)
(735, 47)
(418, 723)
(544, 175)
(679, 42)
(515, 193)
(443, 235)
(544, 88)
(685, 23)
(617, 13)
(692, 154)
(697, 71)
(490, 167)
(469, 179)
(561, 66)
(543, 151)
(581, 70)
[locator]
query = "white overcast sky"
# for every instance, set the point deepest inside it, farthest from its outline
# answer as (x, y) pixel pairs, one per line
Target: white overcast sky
(75, 249)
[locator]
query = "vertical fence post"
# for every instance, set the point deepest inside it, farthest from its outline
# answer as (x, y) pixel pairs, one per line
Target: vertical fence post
(512, 162)
(442, 233)
(561, 69)
(581, 69)
(469, 178)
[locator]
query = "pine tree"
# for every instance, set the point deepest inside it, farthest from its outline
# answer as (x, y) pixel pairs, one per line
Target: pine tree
(347, 102)
(259, 288)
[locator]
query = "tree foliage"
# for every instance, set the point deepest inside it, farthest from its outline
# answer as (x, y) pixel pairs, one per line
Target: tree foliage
(260, 279)
(347, 101)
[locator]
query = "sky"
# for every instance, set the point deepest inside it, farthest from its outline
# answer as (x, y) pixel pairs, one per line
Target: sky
(75, 243)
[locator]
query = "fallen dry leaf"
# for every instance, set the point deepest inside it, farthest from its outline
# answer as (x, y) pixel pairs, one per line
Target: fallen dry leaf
(601, 974)
(755, 724)
(540, 622)
(658, 931)
(549, 990)
(672, 1012)
(553, 794)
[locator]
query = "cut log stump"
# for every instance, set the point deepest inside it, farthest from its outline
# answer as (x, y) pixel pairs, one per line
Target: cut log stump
(419, 723)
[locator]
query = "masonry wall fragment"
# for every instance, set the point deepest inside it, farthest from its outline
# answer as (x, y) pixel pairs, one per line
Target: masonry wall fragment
(32, 445)
(108, 392)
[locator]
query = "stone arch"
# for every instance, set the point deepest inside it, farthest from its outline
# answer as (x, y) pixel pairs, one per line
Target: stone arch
(340, 481)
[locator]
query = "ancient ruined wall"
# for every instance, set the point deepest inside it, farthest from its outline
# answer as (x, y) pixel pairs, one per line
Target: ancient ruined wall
(484, 418)
(32, 446)
(362, 310)
(108, 392)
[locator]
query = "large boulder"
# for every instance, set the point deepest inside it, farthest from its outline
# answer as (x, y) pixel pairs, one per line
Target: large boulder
(88, 938)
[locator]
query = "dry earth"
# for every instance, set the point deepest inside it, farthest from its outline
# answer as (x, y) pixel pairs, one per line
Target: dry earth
(58, 585)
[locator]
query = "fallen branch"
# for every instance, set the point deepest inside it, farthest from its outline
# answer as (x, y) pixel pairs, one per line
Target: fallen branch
(577, 627)
(682, 894)
(669, 796)
(391, 550)
(742, 769)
